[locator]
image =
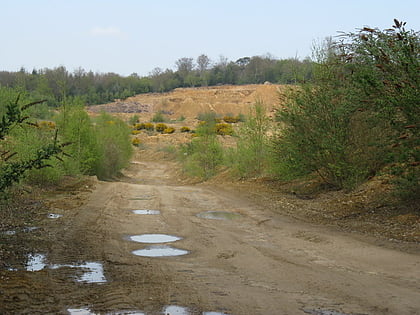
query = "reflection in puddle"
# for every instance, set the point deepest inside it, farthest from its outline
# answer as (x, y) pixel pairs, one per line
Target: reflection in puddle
(94, 273)
(11, 232)
(79, 311)
(154, 238)
(30, 228)
(54, 216)
(160, 251)
(86, 311)
(145, 211)
(35, 262)
(218, 215)
(175, 310)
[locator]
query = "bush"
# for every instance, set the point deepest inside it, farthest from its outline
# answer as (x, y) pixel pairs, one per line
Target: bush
(161, 127)
(358, 113)
(136, 142)
(223, 129)
(169, 130)
(114, 147)
(149, 126)
(24, 148)
(134, 119)
(139, 126)
(204, 154)
(231, 119)
(251, 156)
(185, 129)
(158, 118)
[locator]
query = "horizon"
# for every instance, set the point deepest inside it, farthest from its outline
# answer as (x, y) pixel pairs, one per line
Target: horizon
(128, 36)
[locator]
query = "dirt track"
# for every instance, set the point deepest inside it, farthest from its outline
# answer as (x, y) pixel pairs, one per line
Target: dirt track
(258, 263)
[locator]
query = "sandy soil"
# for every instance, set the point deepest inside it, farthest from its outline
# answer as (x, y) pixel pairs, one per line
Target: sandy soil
(261, 262)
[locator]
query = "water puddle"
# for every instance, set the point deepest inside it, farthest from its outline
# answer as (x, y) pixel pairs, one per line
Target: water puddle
(175, 310)
(9, 233)
(154, 238)
(80, 311)
(146, 211)
(218, 215)
(30, 229)
(160, 251)
(94, 272)
(54, 216)
(35, 262)
(86, 311)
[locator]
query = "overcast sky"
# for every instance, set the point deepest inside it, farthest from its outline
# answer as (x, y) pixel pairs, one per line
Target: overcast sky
(126, 36)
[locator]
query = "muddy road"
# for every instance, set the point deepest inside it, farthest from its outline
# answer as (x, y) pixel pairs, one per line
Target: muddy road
(243, 259)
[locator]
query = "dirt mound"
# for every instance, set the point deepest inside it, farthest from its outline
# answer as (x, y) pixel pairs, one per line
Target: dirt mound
(189, 102)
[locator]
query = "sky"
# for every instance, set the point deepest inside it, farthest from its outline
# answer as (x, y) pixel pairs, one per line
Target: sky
(136, 36)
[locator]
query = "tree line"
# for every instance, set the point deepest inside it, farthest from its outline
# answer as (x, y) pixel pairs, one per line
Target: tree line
(59, 85)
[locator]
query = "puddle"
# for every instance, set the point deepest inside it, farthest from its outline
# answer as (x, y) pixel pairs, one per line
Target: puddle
(11, 232)
(175, 310)
(94, 273)
(54, 216)
(35, 262)
(160, 251)
(154, 238)
(79, 311)
(30, 228)
(86, 311)
(218, 215)
(145, 211)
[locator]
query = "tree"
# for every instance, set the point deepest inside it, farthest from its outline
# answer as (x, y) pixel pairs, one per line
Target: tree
(184, 68)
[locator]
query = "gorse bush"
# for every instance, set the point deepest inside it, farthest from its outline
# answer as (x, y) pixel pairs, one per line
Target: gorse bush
(161, 127)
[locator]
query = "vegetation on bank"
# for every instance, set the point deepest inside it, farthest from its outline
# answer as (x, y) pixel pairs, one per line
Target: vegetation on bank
(41, 152)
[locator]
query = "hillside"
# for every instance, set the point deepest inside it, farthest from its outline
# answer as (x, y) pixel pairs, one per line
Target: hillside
(189, 102)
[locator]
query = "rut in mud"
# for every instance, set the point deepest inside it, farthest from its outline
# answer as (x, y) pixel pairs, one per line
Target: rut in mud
(236, 256)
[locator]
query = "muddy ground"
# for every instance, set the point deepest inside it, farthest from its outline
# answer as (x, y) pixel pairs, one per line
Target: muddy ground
(277, 253)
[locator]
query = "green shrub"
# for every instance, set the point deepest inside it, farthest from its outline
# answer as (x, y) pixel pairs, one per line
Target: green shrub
(134, 119)
(158, 117)
(357, 114)
(204, 154)
(114, 146)
(250, 158)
